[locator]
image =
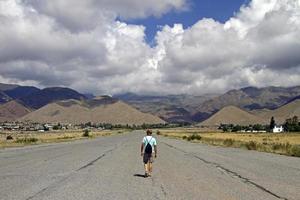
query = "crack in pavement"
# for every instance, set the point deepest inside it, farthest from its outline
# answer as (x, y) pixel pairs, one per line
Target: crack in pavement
(229, 172)
(53, 185)
(163, 190)
(48, 187)
(161, 187)
(94, 161)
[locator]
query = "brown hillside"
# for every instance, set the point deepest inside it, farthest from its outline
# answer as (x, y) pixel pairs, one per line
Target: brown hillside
(249, 99)
(76, 112)
(232, 115)
(281, 114)
(12, 110)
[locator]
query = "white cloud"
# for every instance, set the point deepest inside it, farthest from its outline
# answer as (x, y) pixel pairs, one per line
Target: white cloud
(88, 14)
(80, 44)
(259, 47)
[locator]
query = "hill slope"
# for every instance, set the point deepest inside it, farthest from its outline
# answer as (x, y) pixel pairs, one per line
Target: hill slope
(12, 110)
(4, 98)
(43, 97)
(99, 110)
(172, 108)
(281, 114)
(4, 87)
(249, 98)
(232, 115)
(21, 92)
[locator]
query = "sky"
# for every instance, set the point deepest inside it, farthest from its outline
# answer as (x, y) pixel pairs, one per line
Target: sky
(150, 46)
(195, 10)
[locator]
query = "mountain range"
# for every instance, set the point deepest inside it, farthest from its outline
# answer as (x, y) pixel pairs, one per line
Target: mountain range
(13, 110)
(172, 108)
(232, 115)
(97, 110)
(176, 108)
(260, 102)
(64, 105)
(237, 116)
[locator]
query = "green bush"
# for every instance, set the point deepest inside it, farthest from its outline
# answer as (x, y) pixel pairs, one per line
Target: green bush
(158, 132)
(279, 146)
(295, 150)
(251, 145)
(26, 140)
(184, 137)
(86, 133)
(9, 137)
(276, 146)
(228, 142)
(194, 137)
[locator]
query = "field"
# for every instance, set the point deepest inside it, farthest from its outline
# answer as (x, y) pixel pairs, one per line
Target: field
(19, 139)
(286, 144)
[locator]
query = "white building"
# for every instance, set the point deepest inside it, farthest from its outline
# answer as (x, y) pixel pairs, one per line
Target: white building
(278, 129)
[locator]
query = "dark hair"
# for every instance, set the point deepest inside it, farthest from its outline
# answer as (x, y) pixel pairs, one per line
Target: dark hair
(149, 132)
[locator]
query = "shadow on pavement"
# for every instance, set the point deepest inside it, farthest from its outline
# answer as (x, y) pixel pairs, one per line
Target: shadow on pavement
(139, 175)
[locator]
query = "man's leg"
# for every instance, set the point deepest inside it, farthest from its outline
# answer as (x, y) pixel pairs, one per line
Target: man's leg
(150, 168)
(150, 164)
(146, 169)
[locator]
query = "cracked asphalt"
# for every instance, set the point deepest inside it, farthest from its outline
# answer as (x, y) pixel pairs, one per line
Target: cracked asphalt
(111, 168)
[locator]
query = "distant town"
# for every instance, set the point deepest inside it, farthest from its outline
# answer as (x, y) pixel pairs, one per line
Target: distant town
(291, 125)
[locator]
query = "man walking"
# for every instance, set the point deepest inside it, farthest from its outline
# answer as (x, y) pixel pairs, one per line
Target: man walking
(148, 148)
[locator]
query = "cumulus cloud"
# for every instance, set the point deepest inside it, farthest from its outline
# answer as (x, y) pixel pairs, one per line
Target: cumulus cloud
(82, 15)
(81, 44)
(258, 47)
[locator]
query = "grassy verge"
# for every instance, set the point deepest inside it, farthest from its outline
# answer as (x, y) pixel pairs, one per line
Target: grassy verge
(19, 139)
(286, 144)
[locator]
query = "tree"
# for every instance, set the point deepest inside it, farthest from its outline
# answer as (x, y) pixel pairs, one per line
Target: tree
(258, 127)
(236, 128)
(272, 123)
(292, 125)
(295, 120)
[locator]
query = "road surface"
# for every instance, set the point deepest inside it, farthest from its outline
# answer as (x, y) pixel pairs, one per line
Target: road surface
(111, 168)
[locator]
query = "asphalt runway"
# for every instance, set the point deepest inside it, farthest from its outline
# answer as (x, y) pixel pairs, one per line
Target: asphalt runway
(111, 168)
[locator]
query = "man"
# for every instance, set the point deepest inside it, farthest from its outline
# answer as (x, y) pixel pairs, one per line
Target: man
(148, 148)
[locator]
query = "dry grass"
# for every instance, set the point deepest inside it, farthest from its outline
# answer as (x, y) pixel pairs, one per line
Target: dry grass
(287, 144)
(30, 138)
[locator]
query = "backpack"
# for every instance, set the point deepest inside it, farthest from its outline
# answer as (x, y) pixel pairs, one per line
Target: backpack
(148, 148)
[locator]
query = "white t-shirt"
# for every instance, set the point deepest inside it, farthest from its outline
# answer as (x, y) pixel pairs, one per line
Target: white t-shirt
(151, 140)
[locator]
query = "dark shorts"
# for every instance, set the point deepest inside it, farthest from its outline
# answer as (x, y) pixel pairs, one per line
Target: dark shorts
(148, 158)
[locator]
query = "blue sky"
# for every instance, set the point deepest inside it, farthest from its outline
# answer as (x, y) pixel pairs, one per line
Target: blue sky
(218, 10)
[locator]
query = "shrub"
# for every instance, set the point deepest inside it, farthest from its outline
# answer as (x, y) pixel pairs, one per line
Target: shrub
(86, 133)
(194, 137)
(66, 138)
(280, 146)
(184, 137)
(295, 150)
(251, 145)
(228, 142)
(9, 137)
(198, 137)
(276, 146)
(158, 132)
(26, 140)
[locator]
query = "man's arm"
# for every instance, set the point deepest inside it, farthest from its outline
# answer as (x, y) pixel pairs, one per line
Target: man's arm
(142, 149)
(155, 151)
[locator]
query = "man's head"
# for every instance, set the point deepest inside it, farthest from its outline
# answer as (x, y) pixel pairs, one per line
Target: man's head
(149, 132)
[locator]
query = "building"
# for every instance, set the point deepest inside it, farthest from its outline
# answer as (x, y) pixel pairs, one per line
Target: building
(278, 129)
